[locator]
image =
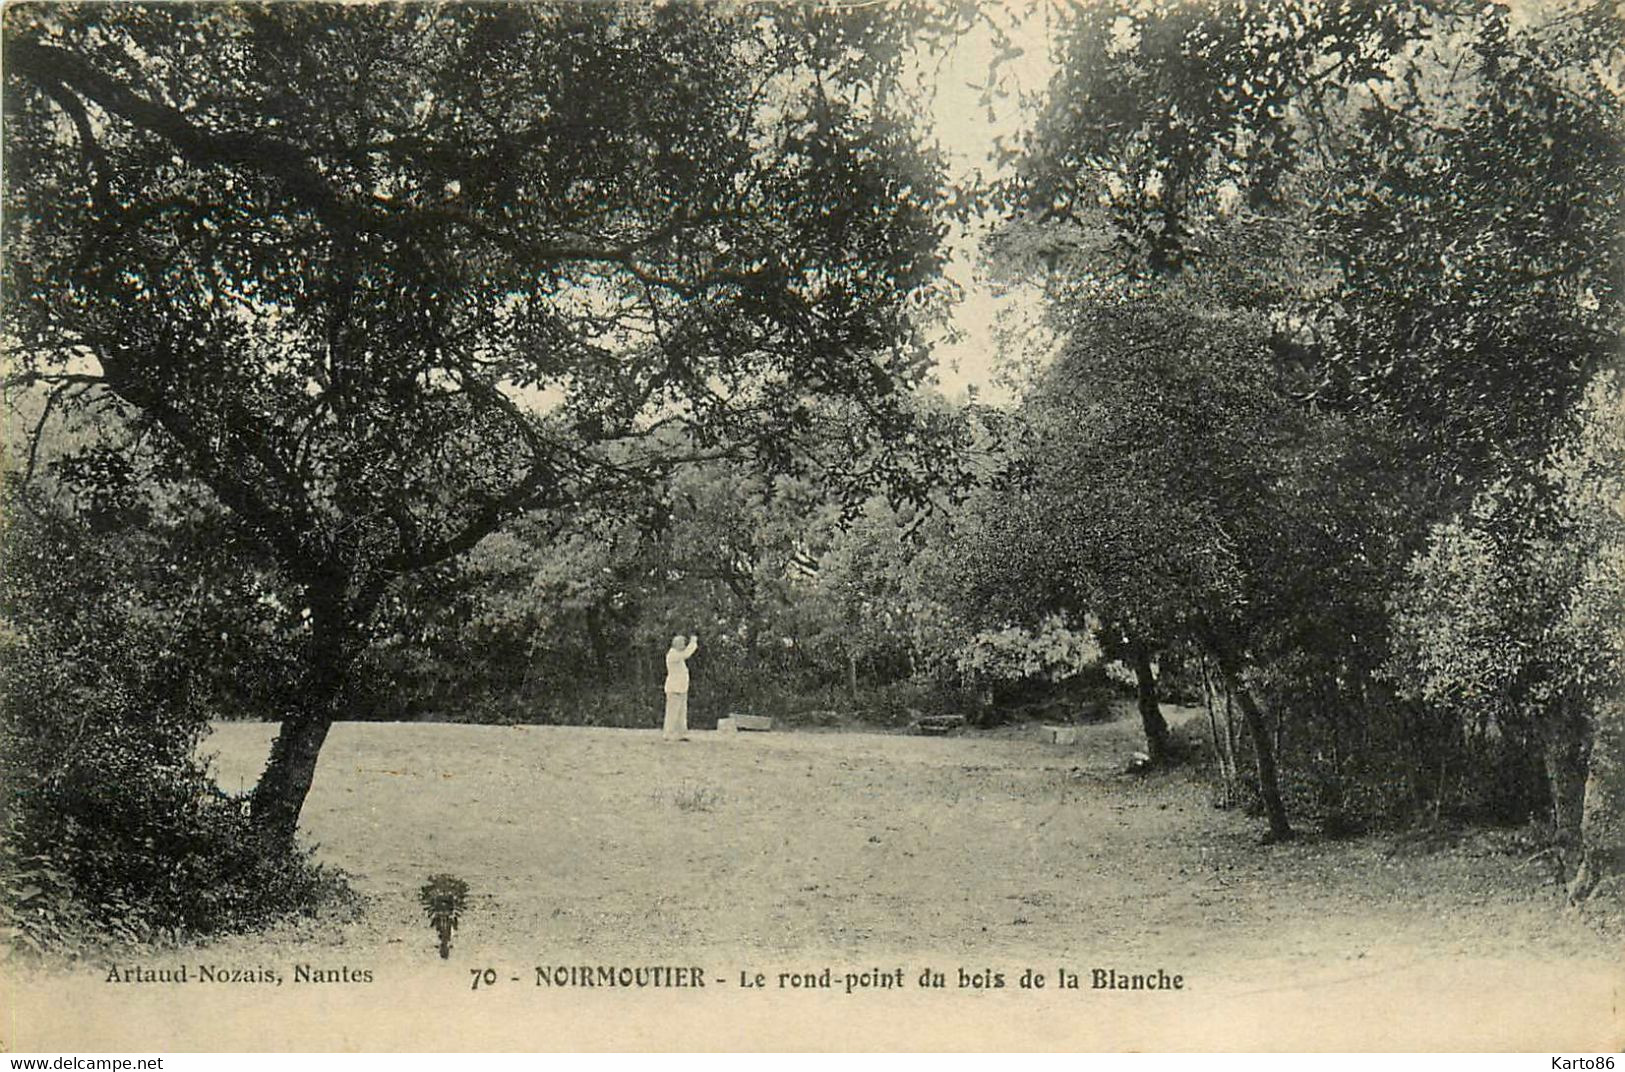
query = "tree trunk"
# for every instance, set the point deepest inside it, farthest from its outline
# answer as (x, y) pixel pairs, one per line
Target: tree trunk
(852, 671)
(1223, 754)
(1213, 734)
(1232, 738)
(1602, 819)
(1156, 727)
(1563, 748)
(280, 795)
(1224, 751)
(1269, 786)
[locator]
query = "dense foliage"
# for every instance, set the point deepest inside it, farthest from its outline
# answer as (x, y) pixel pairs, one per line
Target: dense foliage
(111, 821)
(1418, 206)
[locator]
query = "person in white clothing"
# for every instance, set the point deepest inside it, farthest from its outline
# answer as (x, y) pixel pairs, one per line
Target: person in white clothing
(677, 686)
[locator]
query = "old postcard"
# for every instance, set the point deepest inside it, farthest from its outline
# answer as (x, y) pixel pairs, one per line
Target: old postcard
(858, 526)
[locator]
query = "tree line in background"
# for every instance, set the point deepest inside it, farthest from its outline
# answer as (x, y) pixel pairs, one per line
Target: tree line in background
(410, 399)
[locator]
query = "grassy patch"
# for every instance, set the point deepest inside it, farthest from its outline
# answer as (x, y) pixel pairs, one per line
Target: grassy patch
(691, 797)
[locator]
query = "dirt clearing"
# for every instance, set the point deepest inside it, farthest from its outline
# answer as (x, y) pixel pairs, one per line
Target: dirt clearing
(866, 853)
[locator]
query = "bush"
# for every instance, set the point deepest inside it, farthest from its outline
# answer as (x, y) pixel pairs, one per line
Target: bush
(109, 820)
(900, 703)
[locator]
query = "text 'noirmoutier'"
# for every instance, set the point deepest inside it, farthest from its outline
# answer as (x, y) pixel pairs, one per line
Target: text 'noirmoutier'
(581, 976)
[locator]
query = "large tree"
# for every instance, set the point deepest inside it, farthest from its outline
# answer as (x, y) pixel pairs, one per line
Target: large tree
(382, 278)
(1420, 200)
(1514, 620)
(1171, 486)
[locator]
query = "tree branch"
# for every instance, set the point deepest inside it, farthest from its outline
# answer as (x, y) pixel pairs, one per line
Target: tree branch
(61, 74)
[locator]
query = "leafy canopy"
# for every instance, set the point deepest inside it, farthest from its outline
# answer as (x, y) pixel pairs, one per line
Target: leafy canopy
(383, 277)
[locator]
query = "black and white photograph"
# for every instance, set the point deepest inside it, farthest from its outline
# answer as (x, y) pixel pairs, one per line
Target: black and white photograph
(1088, 526)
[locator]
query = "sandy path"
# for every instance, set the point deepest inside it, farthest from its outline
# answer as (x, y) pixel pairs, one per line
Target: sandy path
(790, 851)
